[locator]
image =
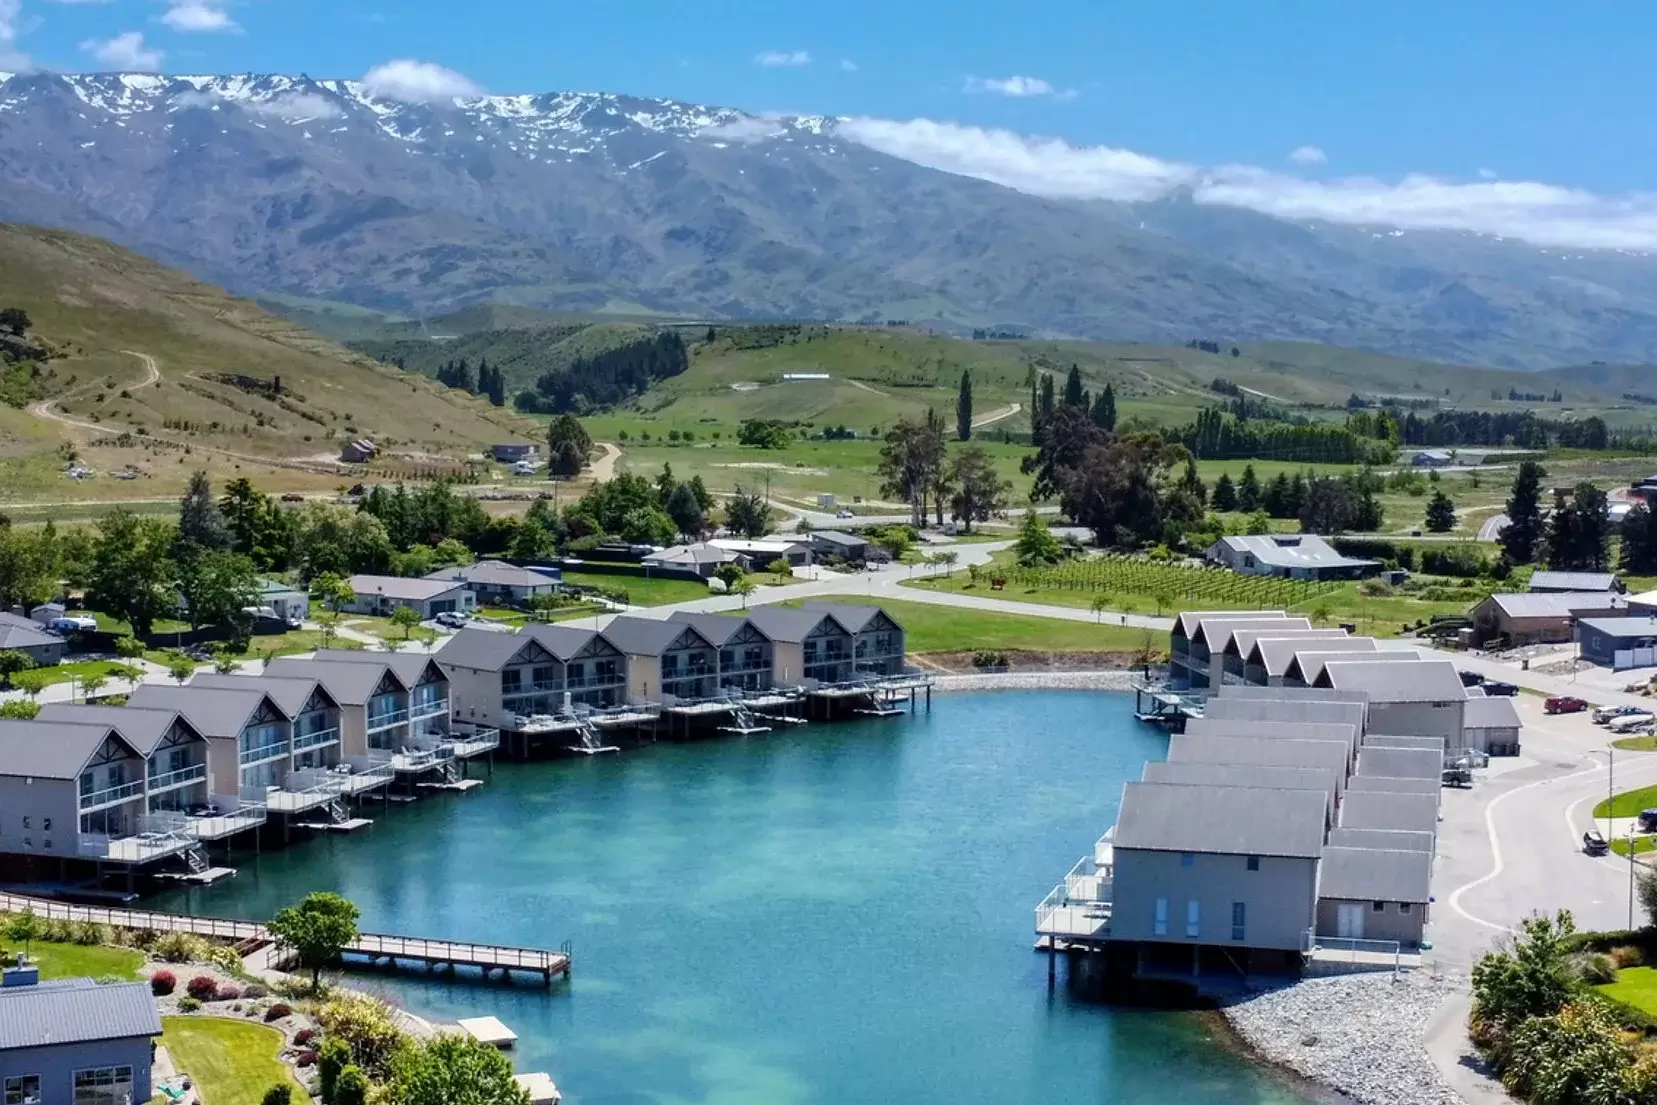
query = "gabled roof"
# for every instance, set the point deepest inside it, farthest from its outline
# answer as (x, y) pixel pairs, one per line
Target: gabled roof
(1623, 628)
(52, 749)
(835, 537)
(1186, 623)
(75, 1011)
(482, 649)
(1573, 581)
(1418, 681)
(1384, 839)
(402, 588)
(16, 632)
(493, 573)
(853, 617)
(1243, 641)
(1169, 817)
(1259, 776)
(143, 729)
(271, 587)
(347, 684)
(1222, 634)
(650, 636)
(1277, 653)
(562, 641)
(1361, 809)
(1326, 754)
(718, 628)
(1211, 629)
(1292, 550)
(1369, 874)
(1394, 786)
(1307, 664)
(212, 711)
(411, 667)
(699, 553)
(290, 692)
(1273, 729)
(789, 623)
(1290, 708)
(1557, 604)
(1400, 763)
(1490, 712)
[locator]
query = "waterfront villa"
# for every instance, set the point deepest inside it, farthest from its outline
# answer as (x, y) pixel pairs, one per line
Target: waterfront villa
(667, 661)
(1309, 663)
(1188, 652)
(1245, 664)
(1420, 699)
(810, 646)
(382, 595)
(504, 679)
(75, 1041)
(878, 643)
(1225, 655)
(1270, 658)
(746, 654)
(1373, 893)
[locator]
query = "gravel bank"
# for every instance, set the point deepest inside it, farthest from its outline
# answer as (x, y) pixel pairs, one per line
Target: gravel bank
(1359, 1034)
(1040, 681)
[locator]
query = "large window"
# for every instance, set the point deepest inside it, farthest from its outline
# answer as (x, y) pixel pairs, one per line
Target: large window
(103, 1086)
(23, 1090)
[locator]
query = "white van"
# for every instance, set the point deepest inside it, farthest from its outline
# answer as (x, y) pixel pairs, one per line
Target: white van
(1628, 723)
(72, 623)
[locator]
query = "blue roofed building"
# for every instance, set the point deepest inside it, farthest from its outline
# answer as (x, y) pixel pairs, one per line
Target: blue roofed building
(73, 1041)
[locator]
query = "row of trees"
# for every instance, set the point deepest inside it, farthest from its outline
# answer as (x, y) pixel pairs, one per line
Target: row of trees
(488, 382)
(917, 466)
(1218, 435)
(1323, 504)
(604, 377)
(1517, 429)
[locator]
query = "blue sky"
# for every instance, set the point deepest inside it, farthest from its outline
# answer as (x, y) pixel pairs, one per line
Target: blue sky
(1525, 117)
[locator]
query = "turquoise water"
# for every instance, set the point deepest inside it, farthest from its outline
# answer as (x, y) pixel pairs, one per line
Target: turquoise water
(836, 914)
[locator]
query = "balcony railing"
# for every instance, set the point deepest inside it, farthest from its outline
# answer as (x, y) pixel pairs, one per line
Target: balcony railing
(301, 791)
(264, 753)
(387, 720)
(321, 738)
(108, 796)
(590, 683)
(421, 755)
(157, 837)
(519, 690)
(182, 777)
(470, 740)
(224, 816)
(434, 708)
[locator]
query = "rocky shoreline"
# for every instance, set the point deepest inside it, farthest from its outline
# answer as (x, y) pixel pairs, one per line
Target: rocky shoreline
(1121, 680)
(1358, 1034)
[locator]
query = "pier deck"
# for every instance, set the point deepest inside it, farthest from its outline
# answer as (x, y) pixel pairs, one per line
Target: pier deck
(376, 948)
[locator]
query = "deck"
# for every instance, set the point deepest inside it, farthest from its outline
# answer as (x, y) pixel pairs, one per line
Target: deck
(375, 948)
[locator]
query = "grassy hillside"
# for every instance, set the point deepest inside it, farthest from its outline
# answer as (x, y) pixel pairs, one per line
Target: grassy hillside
(103, 310)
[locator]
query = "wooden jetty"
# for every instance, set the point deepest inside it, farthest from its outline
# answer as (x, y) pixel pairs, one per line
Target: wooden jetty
(375, 948)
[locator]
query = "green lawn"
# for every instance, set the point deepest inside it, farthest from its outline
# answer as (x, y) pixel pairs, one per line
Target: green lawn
(1635, 986)
(1642, 844)
(642, 591)
(84, 961)
(63, 673)
(230, 1062)
(931, 628)
(1636, 744)
(1628, 803)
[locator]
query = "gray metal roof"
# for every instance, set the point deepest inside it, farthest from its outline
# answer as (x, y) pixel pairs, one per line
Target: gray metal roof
(411, 667)
(1260, 776)
(1248, 821)
(1369, 874)
(835, 537)
(1243, 641)
(1417, 681)
(1490, 712)
(1292, 550)
(1573, 581)
(718, 628)
(1623, 628)
(1224, 634)
(1554, 604)
(1185, 624)
(75, 1011)
(213, 711)
(561, 640)
(143, 729)
(1308, 664)
(1386, 839)
(700, 553)
(1305, 694)
(1393, 740)
(1274, 730)
(16, 632)
(1328, 755)
(1220, 629)
(1275, 654)
(403, 588)
(1372, 809)
(348, 684)
(1389, 785)
(788, 623)
(51, 749)
(853, 617)
(289, 692)
(493, 573)
(650, 636)
(481, 649)
(1291, 707)
(1400, 763)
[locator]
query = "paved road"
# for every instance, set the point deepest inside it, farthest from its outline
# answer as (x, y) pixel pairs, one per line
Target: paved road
(1493, 527)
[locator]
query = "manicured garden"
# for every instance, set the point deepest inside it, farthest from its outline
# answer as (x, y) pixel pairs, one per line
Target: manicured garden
(61, 960)
(1636, 986)
(935, 628)
(230, 1062)
(1627, 804)
(641, 590)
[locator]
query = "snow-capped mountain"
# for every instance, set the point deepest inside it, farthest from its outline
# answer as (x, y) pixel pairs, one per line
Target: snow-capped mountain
(330, 190)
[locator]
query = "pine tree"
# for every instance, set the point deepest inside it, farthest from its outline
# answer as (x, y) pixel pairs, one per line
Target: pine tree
(963, 408)
(1225, 493)
(1441, 513)
(1046, 398)
(1248, 491)
(1523, 536)
(1073, 387)
(1639, 541)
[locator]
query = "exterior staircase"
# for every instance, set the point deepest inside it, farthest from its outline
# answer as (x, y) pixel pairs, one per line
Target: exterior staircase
(196, 859)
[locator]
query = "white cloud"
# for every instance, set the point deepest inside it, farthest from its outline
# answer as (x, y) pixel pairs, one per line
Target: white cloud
(847, 65)
(1308, 155)
(12, 59)
(1487, 174)
(125, 53)
(294, 107)
(195, 16)
(418, 82)
(745, 129)
(1018, 88)
(1543, 214)
(775, 58)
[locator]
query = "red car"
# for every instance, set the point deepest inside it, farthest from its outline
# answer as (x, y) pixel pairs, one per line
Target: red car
(1564, 704)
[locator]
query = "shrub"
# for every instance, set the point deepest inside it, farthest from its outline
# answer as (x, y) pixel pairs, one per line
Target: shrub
(1627, 956)
(253, 991)
(277, 1011)
(228, 991)
(179, 947)
(279, 1094)
(305, 1059)
(365, 1026)
(58, 932)
(203, 988)
(351, 1088)
(989, 659)
(335, 1058)
(188, 1005)
(163, 983)
(144, 939)
(90, 934)
(1595, 968)
(304, 1037)
(221, 956)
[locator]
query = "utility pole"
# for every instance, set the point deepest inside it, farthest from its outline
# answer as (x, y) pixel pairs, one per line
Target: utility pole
(1630, 876)
(1610, 775)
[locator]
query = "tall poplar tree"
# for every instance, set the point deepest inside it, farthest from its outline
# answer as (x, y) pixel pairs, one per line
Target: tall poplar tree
(963, 408)
(1523, 535)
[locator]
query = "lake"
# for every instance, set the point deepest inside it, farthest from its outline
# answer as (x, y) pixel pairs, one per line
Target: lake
(833, 913)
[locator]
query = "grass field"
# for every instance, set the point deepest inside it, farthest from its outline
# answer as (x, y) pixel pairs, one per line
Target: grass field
(1636, 986)
(642, 591)
(1636, 744)
(1628, 803)
(933, 628)
(230, 1062)
(1642, 845)
(84, 961)
(63, 673)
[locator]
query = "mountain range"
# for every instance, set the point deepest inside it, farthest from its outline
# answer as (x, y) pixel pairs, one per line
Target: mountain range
(312, 191)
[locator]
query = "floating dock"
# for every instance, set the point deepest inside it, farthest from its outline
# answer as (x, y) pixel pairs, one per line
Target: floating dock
(349, 825)
(488, 1030)
(539, 1087)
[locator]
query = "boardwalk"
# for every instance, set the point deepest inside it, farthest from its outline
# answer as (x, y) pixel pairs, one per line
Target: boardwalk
(375, 948)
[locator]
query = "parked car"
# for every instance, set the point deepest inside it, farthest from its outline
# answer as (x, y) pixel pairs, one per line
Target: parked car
(451, 619)
(1496, 688)
(1594, 844)
(1603, 715)
(1631, 722)
(1564, 704)
(1470, 678)
(844, 512)
(293, 497)
(72, 623)
(1457, 776)
(1648, 821)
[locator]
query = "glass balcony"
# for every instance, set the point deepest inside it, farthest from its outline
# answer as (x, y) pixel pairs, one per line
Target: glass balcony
(264, 753)
(319, 739)
(108, 796)
(386, 720)
(433, 708)
(182, 777)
